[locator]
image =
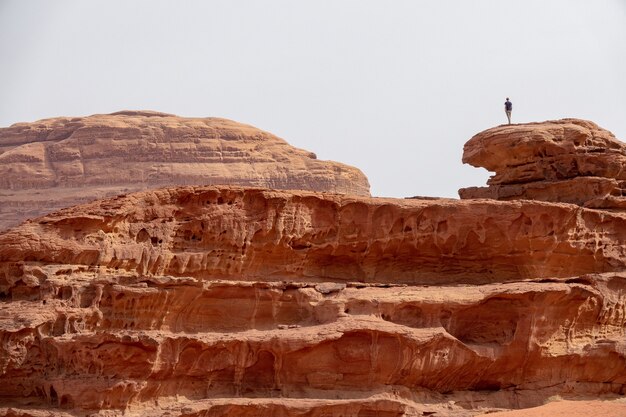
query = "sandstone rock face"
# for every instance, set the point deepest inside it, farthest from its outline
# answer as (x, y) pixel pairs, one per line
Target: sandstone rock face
(569, 160)
(225, 301)
(56, 163)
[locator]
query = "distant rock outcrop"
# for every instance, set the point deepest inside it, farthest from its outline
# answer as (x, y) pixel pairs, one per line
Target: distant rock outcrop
(55, 163)
(569, 161)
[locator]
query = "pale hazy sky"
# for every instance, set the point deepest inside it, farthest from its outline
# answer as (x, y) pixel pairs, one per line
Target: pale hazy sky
(393, 87)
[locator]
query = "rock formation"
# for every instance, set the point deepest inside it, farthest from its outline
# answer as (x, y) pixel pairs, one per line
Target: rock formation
(569, 160)
(203, 301)
(56, 163)
(228, 301)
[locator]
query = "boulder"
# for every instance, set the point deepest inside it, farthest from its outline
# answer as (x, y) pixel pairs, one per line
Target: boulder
(570, 161)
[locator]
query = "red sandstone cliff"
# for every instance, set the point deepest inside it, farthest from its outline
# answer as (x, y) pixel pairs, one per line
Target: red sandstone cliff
(55, 163)
(237, 301)
(231, 301)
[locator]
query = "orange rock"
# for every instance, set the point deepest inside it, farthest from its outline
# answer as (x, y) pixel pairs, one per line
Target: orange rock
(227, 301)
(56, 163)
(569, 160)
(569, 409)
(214, 233)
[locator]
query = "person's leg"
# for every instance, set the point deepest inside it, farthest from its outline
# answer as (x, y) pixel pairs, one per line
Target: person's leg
(508, 116)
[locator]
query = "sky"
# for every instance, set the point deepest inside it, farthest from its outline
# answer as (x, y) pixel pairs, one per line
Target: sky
(394, 88)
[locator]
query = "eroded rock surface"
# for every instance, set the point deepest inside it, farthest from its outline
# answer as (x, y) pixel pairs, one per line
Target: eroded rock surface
(213, 301)
(55, 163)
(569, 160)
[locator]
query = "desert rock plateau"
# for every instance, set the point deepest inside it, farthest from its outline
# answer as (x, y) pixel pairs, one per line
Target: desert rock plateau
(232, 300)
(60, 162)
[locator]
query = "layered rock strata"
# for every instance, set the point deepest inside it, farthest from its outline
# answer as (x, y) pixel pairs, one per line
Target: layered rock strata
(55, 163)
(569, 160)
(213, 301)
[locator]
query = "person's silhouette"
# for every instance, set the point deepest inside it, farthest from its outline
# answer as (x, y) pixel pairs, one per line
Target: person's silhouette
(508, 108)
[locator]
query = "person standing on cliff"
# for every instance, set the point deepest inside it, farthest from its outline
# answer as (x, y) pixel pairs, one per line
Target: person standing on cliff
(508, 108)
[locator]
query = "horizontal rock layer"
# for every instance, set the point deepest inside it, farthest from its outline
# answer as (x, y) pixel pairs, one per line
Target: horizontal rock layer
(259, 235)
(569, 160)
(207, 301)
(60, 162)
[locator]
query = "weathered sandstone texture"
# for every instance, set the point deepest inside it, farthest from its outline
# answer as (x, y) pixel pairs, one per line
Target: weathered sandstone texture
(225, 301)
(56, 163)
(568, 409)
(569, 160)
